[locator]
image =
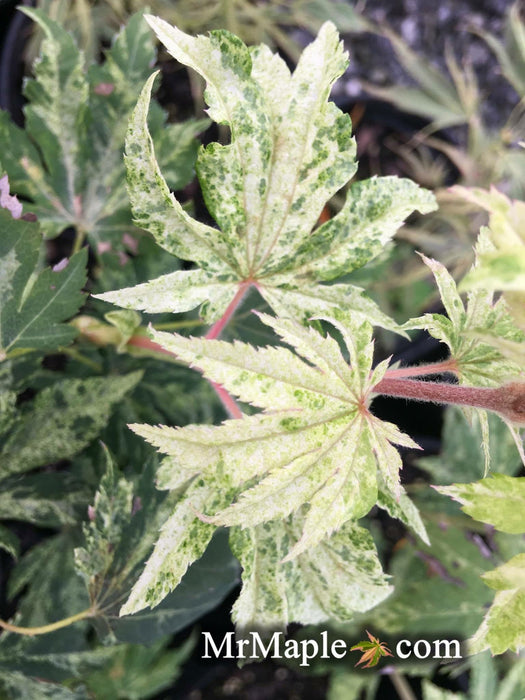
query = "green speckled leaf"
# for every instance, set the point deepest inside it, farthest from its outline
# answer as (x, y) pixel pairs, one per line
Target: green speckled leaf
(333, 580)
(298, 449)
(57, 103)
(291, 150)
(68, 160)
(373, 211)
(183, 539)
(154, 206)
(498, 500)
(34, 305)
(343, 302)
(62, 420)
(503, 627)
(175, 292)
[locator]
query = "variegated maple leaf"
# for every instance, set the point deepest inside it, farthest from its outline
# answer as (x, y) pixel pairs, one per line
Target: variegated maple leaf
(291, 150)
(475, 362)
(316, 453)
(316, 442)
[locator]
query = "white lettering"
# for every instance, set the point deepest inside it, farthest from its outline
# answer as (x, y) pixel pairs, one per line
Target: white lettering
(428, 649)
(208, 640)
(291, 649)
(241, 643)
(342, 645)
(324, 653)
(305, 656)
(398, 648)
(265, 651)
(448, 644)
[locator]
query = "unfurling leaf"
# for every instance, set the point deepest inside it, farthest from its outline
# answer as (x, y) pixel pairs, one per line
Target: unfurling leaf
(291, 150)
(476, 363)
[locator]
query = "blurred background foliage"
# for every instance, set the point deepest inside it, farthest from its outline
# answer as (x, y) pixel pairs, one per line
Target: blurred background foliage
(79, 512)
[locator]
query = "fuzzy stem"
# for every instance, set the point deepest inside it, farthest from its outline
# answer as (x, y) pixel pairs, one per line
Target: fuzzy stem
(421, 370)
(507, 400)
(44, 629)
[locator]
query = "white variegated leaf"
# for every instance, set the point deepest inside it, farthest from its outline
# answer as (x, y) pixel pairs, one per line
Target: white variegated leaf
(477, 363)
(291, 150)
(317, 442)
(404, 510)
(334, 580)
(183, 539)
(175, 292)
(503, 627)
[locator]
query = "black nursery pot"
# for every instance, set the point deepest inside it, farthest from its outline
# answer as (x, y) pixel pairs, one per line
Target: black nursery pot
(15, 29)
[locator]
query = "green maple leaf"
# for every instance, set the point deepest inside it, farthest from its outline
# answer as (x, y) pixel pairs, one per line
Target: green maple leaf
(290, 151)
(498, 500)
(316, 454)
(477, 362)
(372, 650)
(35, 304)
(503, 627)
(68, 160)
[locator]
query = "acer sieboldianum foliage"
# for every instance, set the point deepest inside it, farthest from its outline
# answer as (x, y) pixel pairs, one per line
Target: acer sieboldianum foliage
(290, 151)
(291, 481)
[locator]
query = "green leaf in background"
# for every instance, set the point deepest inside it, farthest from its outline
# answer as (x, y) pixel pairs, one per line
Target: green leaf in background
(120, 534)
(438, 590)
(461, 457)
(34, 304)
(138, 672)
(291, 150)
(18, 686)
(511, 52)
(68, 160)
(9, 542)
(45, 574)
(62, 420)
(503, 627)
(443, 101)
(498, 500)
